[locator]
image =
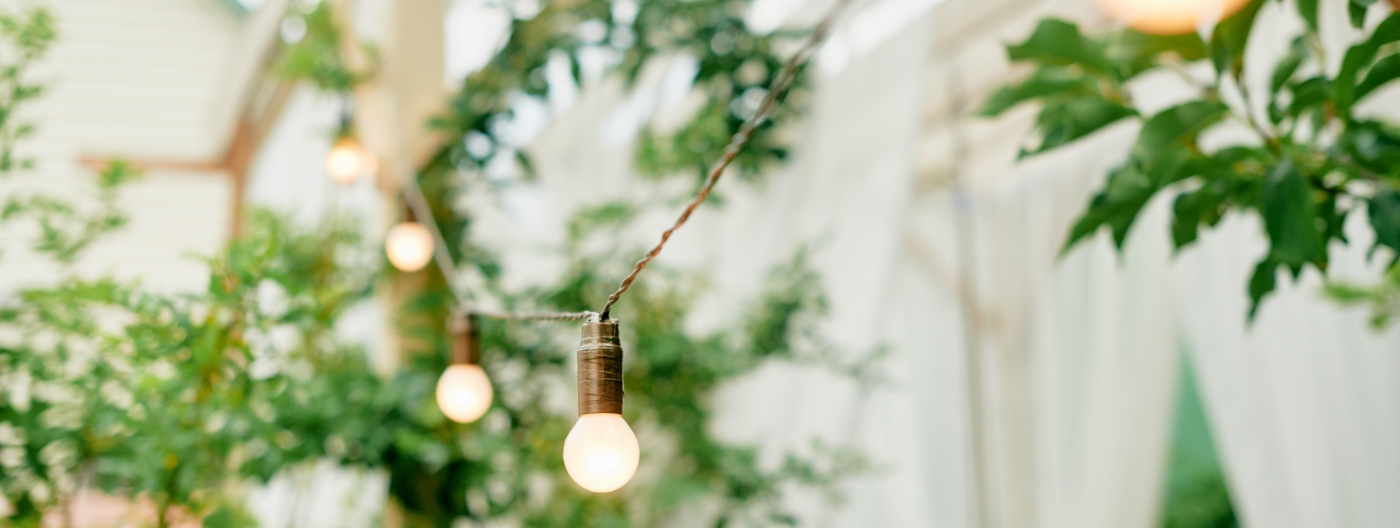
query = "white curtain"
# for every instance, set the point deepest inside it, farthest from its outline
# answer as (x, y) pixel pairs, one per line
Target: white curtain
(1305, 404)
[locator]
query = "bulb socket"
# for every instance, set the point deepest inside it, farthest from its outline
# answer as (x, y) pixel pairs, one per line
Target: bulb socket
(465, 335)
(600, 368)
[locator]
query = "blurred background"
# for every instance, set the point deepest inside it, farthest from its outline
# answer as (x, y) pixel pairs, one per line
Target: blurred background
(875, 321)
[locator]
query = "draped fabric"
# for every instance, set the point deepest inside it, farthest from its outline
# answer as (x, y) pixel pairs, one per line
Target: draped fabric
(1305, 404)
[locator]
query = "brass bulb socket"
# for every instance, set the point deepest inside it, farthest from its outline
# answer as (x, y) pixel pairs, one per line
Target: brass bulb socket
(600, 368)
(464, 332)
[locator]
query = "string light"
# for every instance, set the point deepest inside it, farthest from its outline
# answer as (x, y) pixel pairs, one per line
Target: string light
(779, 87)
(1169, 17)
(409, 246)
(348, 161)
(464, 391)
(601, 452)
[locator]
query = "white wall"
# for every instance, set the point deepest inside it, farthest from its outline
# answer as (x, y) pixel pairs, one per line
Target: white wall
(143, 80)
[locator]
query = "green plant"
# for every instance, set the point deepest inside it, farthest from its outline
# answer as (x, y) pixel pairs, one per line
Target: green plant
(168, 398)
(1312, 158)
(733, 65)
(317, 55)
(670, 373)
(175, 400)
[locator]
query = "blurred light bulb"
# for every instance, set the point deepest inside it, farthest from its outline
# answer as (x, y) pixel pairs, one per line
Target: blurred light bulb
(601, 452)
(348, 161)
(409, 246)
(1169, 17)
(464, 393)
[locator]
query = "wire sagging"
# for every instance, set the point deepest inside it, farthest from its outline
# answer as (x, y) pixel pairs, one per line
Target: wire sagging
(779, 87)
(781, 82)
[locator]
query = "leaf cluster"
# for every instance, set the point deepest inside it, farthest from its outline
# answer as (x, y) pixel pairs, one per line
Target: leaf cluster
(174, 400)
(65, 229)
(732, 67)
(318, 55)
(169, 398)
(1311, 162)
(507, 465)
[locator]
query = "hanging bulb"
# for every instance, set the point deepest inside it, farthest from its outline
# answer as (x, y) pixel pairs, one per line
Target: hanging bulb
(348, 161)
(601, 452)
(1169, 17)
(409, 246)
(464, 391)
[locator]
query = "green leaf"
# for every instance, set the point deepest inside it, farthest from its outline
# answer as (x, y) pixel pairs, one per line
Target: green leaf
(1356, 12)
(1373, 145)
(1384, 212)
(1133, 52)
(1308, 10)
(1333, 218)
(1228, 41)
(1311, 94)
(1288, 65)
(1290, 218)
(1128, 189)
(1176, 126)
(1045, 82)
(1062, 122)
(1347, 293)
(1385, 70)
(1359, 57)
(1057, 42)
(1205, 205)
(1263, 281)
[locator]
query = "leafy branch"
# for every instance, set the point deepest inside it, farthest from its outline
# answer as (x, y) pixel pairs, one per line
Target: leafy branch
(65, 230)
(1313, 160)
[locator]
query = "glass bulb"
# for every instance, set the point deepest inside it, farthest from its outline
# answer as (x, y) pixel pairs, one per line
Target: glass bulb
(347, 161)
(409, 246)
(464, 393)
(601, 452)
(1169, 17)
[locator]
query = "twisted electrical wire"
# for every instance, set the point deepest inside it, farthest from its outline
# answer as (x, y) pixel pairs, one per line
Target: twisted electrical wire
(535, 316)
(423, 212)
(413, 193)
(781, 82)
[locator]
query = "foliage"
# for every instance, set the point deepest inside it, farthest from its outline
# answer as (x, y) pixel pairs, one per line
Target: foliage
(316, 54)
(175, 400)
(28, 36)
(732, 67)
(65, 230)
(1383, 297)
(508, 465)
(163, 397)
(669, 373)
(1312, 159)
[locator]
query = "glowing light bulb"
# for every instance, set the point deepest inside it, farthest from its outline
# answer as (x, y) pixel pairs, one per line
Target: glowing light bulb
(348, 161)
(464, 393)
(601, 452)
(409, 246)
(1169, 17)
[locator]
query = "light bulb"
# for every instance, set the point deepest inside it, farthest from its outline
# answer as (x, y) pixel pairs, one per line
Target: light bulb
(464, 393)
(1169, 17)
(409, 246)
(601, 452)
(348, 161)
